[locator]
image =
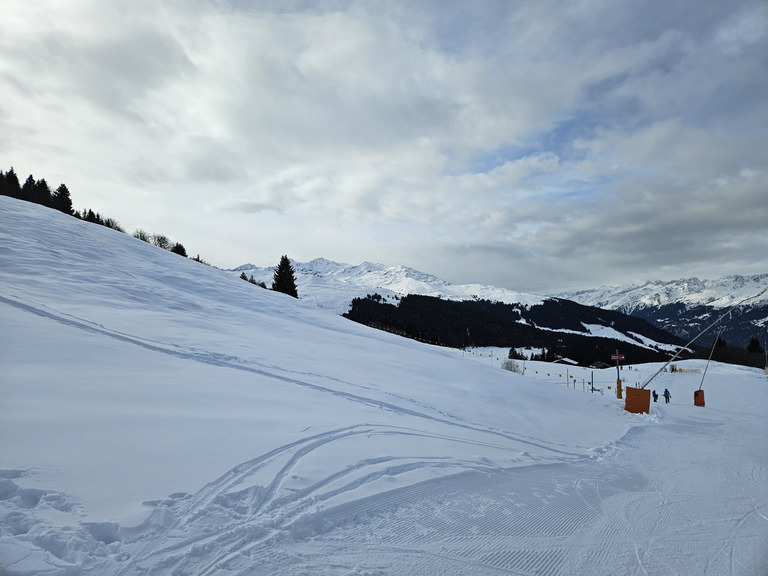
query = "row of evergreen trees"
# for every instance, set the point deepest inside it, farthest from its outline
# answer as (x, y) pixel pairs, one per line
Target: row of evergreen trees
(752, 355)
(39, 192)
(479, 323)
(36, 191)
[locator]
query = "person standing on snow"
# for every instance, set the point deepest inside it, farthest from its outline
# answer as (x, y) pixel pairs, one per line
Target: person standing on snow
(667, 395)
(655, 396)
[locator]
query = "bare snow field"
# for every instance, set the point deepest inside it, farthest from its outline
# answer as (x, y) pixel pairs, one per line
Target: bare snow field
(160, 417)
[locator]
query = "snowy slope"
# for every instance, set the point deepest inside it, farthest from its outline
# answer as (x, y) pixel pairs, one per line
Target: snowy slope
(162, 417)
(333, 286)
(721, 293)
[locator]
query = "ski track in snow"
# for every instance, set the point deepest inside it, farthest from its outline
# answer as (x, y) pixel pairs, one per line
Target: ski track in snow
(576, 516)
(597, 516)
(234, 362)
(600, 517)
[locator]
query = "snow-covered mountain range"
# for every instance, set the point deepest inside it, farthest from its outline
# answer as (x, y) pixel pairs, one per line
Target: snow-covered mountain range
(686, 307)
(721, 293)
(333, 286)
(682, 307)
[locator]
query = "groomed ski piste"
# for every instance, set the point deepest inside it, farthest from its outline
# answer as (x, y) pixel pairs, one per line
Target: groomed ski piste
(160, 417)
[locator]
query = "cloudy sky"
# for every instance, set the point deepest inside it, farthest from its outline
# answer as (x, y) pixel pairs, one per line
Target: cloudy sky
(537, 146)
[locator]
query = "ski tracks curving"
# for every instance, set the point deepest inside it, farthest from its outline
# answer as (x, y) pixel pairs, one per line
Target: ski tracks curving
(263, 501)
(403, 510)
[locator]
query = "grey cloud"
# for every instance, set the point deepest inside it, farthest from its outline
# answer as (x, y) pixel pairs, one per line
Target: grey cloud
(496, 142)
(208, 162)
(113, 72)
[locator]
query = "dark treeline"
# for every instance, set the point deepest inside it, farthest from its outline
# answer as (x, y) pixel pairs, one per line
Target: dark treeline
(39, 192)
(36, 191)
(252, 281)
(753, 355)
(485, 323)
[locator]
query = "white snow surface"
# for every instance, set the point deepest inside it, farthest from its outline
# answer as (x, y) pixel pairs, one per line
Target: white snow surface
(333, 286)
(163, 417)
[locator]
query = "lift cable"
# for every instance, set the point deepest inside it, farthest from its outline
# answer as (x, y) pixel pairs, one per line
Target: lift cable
(660, 370)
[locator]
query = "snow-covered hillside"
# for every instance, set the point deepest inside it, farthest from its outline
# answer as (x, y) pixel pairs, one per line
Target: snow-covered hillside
(333, 286)
(721, 293)
(164, 417)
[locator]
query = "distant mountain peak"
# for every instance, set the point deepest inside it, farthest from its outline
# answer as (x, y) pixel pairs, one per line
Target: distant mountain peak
(688, 305)
(333, 285)
(244, 267)
(721, 293)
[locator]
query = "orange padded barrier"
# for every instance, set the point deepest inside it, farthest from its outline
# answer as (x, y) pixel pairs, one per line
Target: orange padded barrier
(698, 398)
(637, 400)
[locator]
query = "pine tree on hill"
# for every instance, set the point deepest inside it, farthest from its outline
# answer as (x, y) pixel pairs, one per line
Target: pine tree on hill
(9, 184)
(41, 193)
(61, 200)
(178, 248)
(28, 189)
(284, 280)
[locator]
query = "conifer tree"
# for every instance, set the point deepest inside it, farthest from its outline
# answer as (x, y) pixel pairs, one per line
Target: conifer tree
(754, 346)
(41, 193)
(178, 248)
(284, 280)
(61, 200)
(9, 184)
(28, 189)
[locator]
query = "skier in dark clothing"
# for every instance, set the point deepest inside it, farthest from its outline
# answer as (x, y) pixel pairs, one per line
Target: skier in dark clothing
(667, 395)
(655, 396)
